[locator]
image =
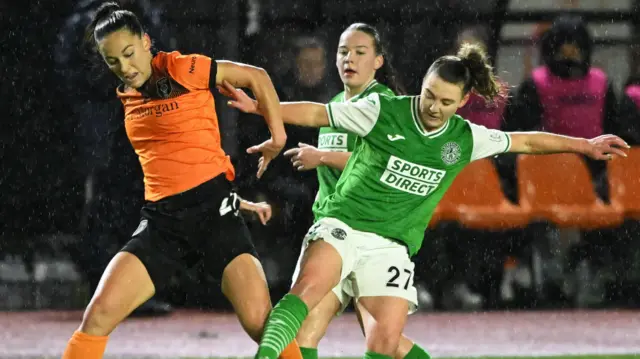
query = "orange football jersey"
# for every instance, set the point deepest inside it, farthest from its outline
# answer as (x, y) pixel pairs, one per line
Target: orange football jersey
(173, 126)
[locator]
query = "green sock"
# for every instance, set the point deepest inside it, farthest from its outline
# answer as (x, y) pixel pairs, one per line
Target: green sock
(374, 355)
(309, 353)
(282, 326)
(417, 352)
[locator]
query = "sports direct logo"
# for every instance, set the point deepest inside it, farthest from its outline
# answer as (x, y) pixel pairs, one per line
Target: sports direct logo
(411, 178)
(336, 142)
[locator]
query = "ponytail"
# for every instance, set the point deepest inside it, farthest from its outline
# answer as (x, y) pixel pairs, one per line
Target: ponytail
(482, 79)
(471, 68)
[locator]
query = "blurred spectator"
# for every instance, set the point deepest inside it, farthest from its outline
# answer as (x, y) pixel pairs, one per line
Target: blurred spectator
(306, 80)
(566, 95)
(539, 30)
(289, 191)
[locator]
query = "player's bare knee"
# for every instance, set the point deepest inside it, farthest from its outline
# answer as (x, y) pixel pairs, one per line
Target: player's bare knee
(310, 289)
(101, 316)
(384, 341)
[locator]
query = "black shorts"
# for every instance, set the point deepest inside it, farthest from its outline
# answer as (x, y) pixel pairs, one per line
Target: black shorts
(201, 225)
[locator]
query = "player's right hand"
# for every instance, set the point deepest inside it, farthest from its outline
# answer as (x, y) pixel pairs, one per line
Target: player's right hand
(605, 147)
(239, 99)
(269, 149)
(304, 157)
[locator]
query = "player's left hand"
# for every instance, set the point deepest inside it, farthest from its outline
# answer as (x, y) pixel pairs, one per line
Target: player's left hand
(605, 147)
(269, 149)
(262, 209)
(305, 157)
(239, 99)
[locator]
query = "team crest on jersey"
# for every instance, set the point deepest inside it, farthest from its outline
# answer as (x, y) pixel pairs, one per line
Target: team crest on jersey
(163, 86)
(495, 137)
(451, 153)
(339, 233)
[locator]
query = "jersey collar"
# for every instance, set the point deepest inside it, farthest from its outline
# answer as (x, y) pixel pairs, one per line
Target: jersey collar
(369, 87)
(415, 111)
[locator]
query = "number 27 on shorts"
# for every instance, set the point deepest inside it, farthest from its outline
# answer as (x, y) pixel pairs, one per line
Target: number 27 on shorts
(398, 277)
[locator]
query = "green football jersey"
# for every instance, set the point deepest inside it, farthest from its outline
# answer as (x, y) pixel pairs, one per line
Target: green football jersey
(339, 140)
(399, 171)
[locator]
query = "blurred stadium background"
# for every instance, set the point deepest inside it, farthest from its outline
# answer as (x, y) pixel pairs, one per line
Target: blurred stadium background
(563, 282)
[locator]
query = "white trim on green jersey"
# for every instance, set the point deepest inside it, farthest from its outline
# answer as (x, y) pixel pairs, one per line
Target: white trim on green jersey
(357, 117)
(369, 87)
(488, 142)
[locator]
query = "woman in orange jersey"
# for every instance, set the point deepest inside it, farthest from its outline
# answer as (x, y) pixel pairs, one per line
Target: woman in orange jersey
(191, 214)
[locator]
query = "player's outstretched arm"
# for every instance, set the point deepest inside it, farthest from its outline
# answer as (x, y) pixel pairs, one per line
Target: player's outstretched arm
(243, 75)
(600, 148)
(257, 79)
(308, 114)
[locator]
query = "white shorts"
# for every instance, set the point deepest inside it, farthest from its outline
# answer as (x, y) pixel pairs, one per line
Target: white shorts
(372, 266)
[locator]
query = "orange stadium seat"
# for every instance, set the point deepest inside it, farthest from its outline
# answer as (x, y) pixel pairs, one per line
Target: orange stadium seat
(476, 200)
(558, 188)
(624, 183)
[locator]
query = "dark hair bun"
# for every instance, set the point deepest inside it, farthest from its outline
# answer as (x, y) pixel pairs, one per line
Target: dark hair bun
(473, 57)
(105, 10)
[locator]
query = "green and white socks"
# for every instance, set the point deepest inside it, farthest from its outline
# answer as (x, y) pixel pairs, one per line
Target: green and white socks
(282, 326)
